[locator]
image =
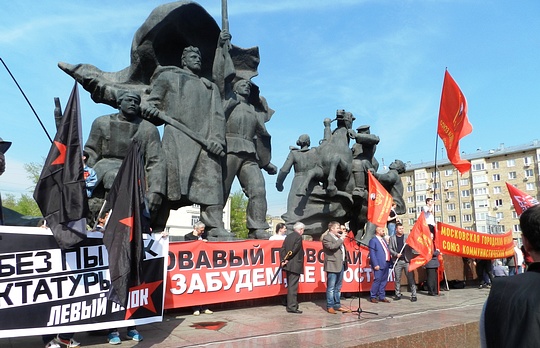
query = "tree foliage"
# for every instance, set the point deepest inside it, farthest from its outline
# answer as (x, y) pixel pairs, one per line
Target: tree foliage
(238, 214)
(25, 204)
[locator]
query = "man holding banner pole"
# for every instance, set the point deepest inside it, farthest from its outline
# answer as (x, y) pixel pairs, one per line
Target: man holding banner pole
(403, 254)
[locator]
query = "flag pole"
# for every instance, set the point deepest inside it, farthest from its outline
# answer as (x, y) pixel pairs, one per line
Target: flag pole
(28, 101)
(395, 262)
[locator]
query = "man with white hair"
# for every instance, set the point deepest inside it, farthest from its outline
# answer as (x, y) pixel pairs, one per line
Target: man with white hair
(292, 260)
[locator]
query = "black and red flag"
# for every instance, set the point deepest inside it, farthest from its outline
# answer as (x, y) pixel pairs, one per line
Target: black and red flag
(126, 224)
(60, 192)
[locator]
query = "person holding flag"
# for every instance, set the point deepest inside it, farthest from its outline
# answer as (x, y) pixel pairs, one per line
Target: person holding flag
(432, 267)
(403, 254)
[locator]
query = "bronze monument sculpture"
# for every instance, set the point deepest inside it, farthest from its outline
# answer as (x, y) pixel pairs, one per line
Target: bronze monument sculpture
(195, 83)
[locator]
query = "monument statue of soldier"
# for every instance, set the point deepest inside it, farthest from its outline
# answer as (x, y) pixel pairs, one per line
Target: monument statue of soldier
(108, 143)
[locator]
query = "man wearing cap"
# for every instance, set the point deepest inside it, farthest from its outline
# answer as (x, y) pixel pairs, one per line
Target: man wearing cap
(4, 146)
(108, 143)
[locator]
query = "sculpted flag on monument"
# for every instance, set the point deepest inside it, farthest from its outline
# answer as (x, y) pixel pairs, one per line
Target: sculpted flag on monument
(420, 240)
(60, 192)
(453, 123)
(520, 199)
(379, 202)
(127, 222)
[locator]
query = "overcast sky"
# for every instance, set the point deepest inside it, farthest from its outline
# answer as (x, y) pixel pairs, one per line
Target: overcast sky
(383, 60)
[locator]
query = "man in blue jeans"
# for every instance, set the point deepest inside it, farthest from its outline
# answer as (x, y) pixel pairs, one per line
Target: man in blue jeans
(335, 263)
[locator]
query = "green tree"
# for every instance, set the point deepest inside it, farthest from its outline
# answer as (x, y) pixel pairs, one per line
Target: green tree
(25, 204)
(238, 214)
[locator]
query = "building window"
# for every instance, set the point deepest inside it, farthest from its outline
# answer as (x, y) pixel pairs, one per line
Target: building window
(496, 177)
(515, 215)
(529, 186)
(437, 208)
(451, 206)
(494, 165)
(501, 228)
(448, 172)
(529, 173)
(409, 188)
(450, 195)
(196, 206)
(465, 193)
(479, 178)
(481, 203)
(420, 175)
(510, 163)
(498, 202)
(194, 219)
(410, 199)
(452, 219)
(516, 228)
(411, 222)
(412, 210)
(450, 183)
(481, 191)
(499, 215)
(408, 178)
(464, 182)
(481, 216)
(466, 205)
(478, 166)
(467, 218)
(512, 175)
(482, 229)
(497, 189)
(421, 187)
(421, 198)
(528, 160)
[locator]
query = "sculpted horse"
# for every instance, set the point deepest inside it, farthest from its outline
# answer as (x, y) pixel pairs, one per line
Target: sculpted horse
(334, 157)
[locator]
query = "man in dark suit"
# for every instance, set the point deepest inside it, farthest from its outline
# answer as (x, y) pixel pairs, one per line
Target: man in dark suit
(335, 263)
(402, 254)
(379, 259)
(512, 311)
(292, 256)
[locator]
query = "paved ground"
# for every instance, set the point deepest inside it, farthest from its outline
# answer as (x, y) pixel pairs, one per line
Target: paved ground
(272, 326)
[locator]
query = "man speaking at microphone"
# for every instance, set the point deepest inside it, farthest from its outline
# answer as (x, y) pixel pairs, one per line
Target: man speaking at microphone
(335, 263)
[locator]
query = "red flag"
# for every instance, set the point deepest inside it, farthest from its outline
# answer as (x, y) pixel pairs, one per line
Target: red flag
(60, 192)
(379, 202)
(420, 240)
(127, 222)
(453, 123)
(520, 199)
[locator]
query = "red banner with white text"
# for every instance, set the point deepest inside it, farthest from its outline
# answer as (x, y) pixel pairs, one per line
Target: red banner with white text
(475, 245)
(214, 272)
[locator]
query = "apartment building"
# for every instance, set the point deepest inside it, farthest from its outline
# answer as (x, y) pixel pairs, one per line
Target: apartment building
(477, 200)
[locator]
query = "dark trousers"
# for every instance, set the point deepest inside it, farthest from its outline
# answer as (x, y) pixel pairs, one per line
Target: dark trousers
(432, 281)
(292, 290)
(379, 283)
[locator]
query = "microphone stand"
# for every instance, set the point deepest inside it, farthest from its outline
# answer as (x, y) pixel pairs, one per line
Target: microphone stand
(360, 310)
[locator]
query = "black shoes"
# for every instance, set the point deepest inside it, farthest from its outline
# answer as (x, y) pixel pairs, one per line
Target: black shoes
(396, 298)
(295, 311)
(413, 298)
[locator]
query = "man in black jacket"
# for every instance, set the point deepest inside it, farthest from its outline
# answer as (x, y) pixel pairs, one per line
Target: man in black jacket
(512, 311)
(292, 260)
